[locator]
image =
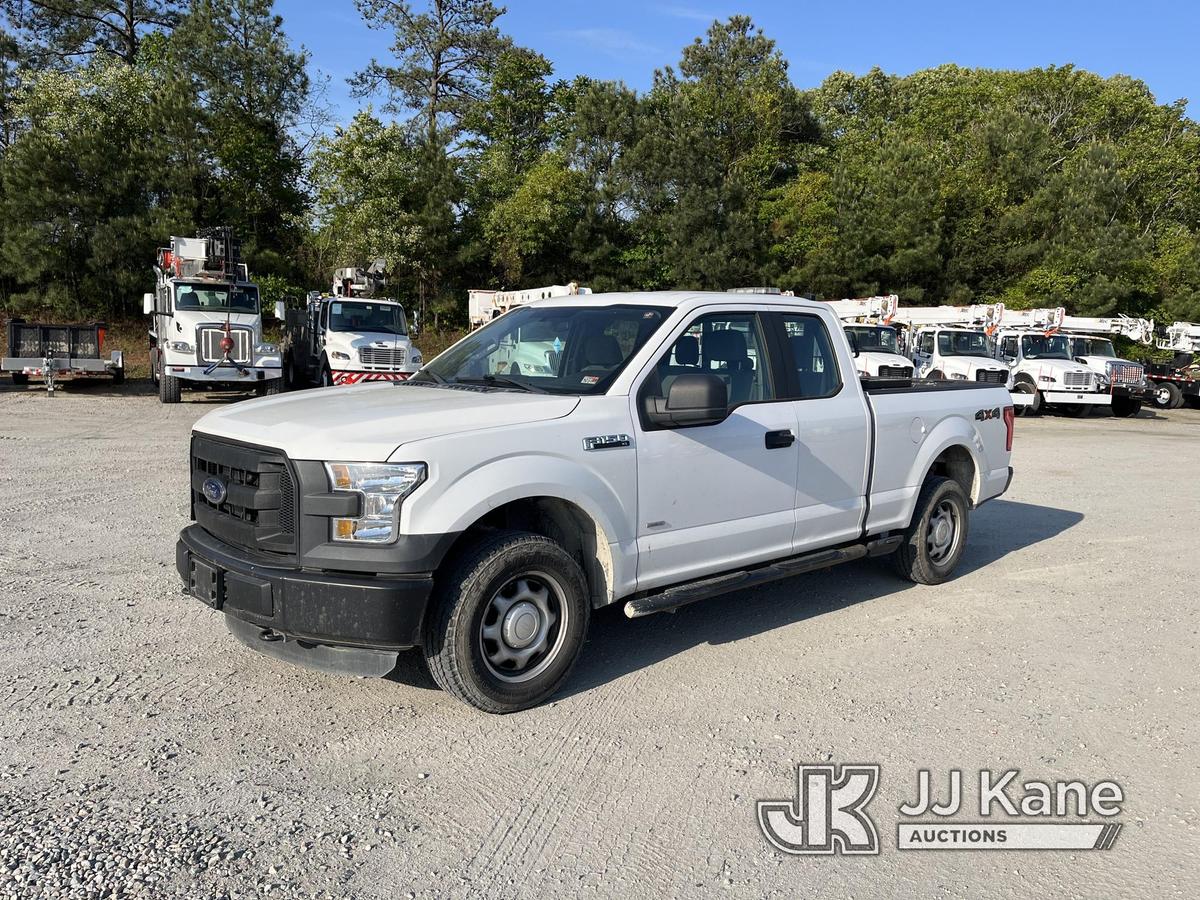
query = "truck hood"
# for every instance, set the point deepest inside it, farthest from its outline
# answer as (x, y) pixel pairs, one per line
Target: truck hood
(971, 365)
(870, 360)
(369, 422)
(355, 339)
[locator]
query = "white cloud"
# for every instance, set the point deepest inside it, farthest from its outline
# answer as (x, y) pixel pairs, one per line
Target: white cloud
(613, 41)
(688, 12)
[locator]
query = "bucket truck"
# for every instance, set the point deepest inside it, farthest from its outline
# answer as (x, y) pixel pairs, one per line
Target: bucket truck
(483, 306)
(1178, 381)
(954, 342)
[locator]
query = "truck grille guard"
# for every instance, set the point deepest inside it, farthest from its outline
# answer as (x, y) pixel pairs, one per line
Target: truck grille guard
(227, 346)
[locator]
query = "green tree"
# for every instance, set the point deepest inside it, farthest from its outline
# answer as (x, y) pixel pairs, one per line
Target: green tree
(62, 31)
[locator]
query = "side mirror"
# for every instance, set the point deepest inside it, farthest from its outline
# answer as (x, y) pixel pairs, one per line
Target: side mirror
(280, 310)
(692, 400)
(147, 303)
(853, 339)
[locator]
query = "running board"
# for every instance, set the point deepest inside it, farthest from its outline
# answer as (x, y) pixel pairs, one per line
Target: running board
(689, 592)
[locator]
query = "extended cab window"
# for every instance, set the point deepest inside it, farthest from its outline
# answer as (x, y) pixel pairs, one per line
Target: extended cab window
(925, 342)
(555, 349)
(729, 345)
(811, 357)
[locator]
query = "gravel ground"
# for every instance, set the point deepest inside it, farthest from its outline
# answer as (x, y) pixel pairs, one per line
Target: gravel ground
(147, 753)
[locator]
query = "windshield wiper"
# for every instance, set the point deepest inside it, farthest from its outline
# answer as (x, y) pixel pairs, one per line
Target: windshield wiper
(502, 381)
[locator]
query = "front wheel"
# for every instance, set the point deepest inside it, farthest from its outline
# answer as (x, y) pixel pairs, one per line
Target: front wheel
(326, 375)
(934, 542)
(168, 388)
(269, 387)
(1074, 410)
(1035, 405)
(509, 622)
(1124, 407)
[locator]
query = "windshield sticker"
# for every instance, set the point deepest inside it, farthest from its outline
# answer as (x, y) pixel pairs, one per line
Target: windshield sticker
(557, 345)
(336, 308)
(589, 379)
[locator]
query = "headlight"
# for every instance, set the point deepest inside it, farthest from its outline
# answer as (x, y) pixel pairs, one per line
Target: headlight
(181, 347)
(415, 359)
(382, 486)
(266, 348)
(958, 377)
(338, 354)
(1049, 378)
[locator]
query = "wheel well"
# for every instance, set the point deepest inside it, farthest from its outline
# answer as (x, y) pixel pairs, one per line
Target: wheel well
(1024, 377)
(956, 462)
(561, 521)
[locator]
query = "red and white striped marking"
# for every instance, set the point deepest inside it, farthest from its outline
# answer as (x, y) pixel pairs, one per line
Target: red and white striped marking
(364, 377)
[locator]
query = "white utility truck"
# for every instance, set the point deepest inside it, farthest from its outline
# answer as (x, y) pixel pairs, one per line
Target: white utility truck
(1089, 344)
(954, 342)
(336, 340)
(683, 445)
(868, 325)
(1045, 374)
(206, 323)
(483, 306)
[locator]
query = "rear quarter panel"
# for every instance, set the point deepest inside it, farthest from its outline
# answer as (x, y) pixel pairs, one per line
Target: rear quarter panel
(913, 429)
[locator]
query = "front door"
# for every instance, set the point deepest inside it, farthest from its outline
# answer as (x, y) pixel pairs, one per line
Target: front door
(716, 497)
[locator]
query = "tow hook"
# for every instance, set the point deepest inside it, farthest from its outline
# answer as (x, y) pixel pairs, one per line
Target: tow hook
(270, 636)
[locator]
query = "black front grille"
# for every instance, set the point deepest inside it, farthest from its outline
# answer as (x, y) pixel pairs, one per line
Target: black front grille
(895, 371)
(991, 377)
(258, 511)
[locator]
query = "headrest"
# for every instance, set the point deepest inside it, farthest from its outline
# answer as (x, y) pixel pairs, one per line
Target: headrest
(725, 346)
(687, 351)
(602, 350)
(802, 349)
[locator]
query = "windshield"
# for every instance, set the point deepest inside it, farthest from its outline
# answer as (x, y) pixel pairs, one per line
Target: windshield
(217, 297)
(1042, 346)
(874, 338)
(1092, 347)
(562, 350)
(965, 343)
(381, 318)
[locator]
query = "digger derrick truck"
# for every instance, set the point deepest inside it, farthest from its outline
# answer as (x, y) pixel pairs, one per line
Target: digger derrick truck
(1089, 343)
(1177, 382)
(954, 343)
(206, 321)
(874, 341)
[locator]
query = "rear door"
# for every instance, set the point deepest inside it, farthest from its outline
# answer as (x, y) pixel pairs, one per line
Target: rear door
(721, 496)
(832, 434)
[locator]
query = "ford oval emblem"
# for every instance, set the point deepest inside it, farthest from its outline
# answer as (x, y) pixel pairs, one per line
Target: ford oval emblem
(214, 490)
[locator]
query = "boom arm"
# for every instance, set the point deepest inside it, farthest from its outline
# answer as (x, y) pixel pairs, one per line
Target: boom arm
(1183, 337)
(1052, 320)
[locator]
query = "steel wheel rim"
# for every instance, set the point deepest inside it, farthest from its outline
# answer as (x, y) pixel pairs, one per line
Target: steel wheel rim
(1162, 397)
(942, 533)
(523, 627)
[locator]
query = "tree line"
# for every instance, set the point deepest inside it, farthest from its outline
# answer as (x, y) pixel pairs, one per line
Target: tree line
(471, 165)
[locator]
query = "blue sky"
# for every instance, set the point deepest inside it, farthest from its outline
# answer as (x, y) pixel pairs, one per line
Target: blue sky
(1152, 40)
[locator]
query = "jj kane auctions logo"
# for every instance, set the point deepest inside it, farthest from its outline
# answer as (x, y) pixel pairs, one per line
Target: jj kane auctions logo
(828, 813)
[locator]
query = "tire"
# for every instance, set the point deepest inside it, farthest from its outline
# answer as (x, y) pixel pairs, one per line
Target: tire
(1176, 398)
(154, 364)
(118, 376)
(936, 375)
(168, 388)
(1024, 387)
(928, 555)
(326, 375)
(20, 379)
(507, 582)
(269, 387)
(1074, 410)
(1125, 407)
(1165, 394)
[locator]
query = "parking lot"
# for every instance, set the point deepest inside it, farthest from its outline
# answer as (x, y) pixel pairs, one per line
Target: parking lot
(141, 747)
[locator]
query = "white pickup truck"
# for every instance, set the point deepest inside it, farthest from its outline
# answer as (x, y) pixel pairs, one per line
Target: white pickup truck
(682, 445)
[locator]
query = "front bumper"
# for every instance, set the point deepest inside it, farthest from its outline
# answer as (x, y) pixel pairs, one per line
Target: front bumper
(225, 374)
(1074, 398)
(345, 376)
(294, 604)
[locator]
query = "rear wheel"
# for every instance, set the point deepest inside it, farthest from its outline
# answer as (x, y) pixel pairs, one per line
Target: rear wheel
(936, 375)
(118, 376)
(1124, 407)
(20, 379)
(934, 542)
(509, 622)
